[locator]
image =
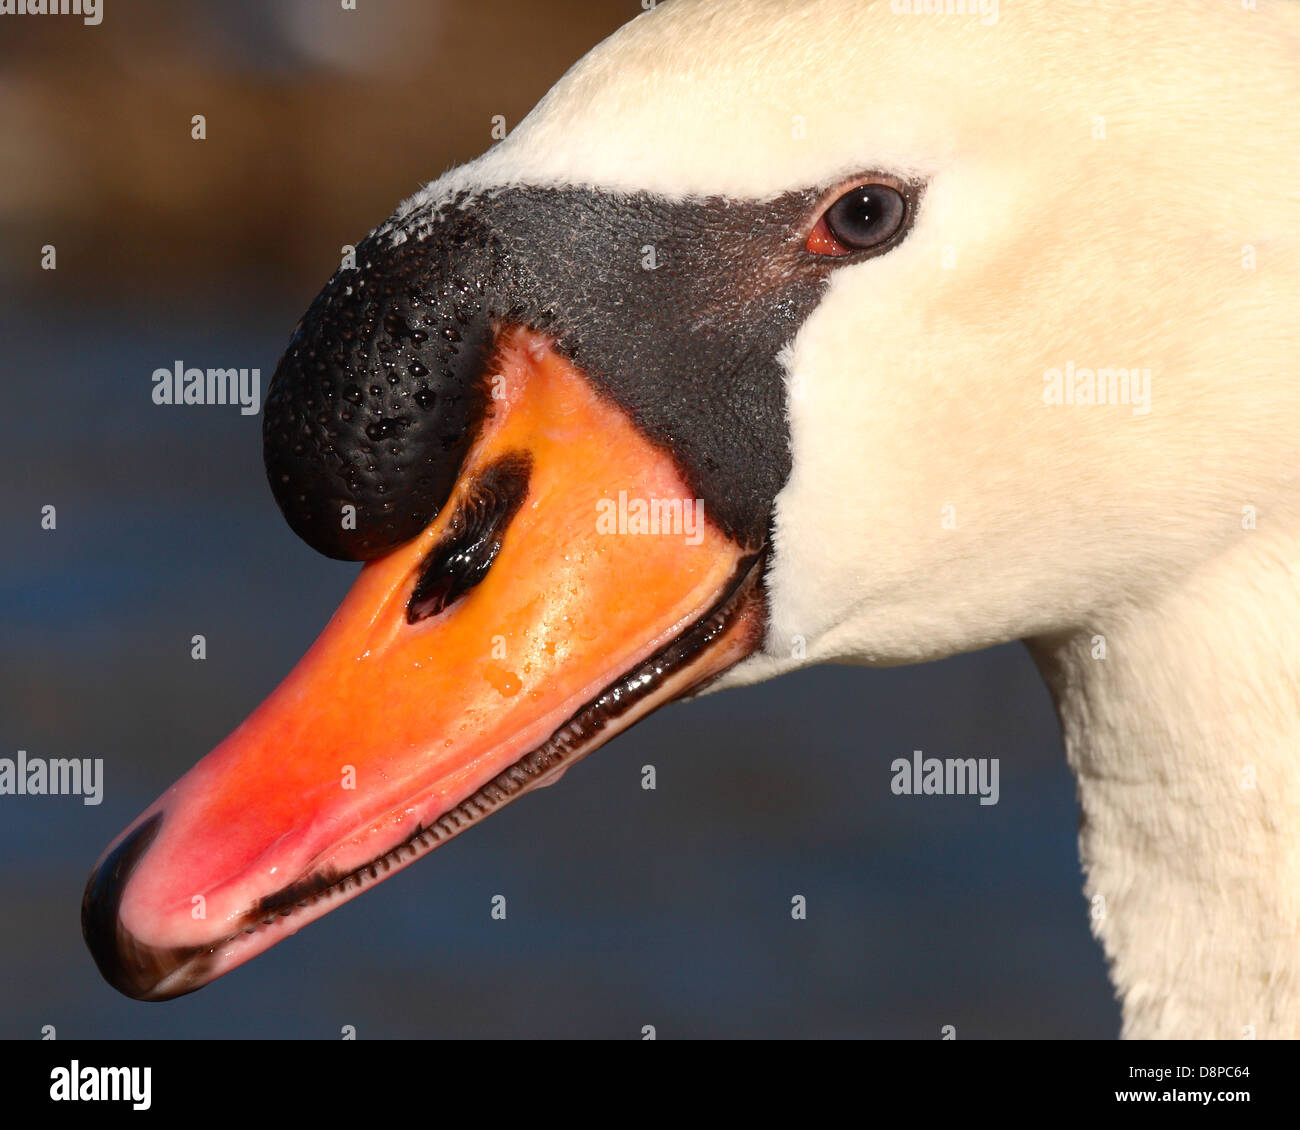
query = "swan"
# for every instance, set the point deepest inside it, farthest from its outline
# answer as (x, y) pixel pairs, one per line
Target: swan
(794, 332)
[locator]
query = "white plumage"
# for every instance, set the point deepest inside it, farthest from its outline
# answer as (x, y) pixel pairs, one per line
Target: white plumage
(1110, 185)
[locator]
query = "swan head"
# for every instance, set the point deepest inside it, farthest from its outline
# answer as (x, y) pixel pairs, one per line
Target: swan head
(1048, 388)
(1063, 389)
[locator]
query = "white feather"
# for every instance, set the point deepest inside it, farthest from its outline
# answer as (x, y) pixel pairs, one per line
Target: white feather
(1110, 184)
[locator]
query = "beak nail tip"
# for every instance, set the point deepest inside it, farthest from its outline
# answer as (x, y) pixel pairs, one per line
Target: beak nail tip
(133, 969)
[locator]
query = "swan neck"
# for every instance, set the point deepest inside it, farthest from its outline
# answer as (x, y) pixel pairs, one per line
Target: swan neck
(1181, 719)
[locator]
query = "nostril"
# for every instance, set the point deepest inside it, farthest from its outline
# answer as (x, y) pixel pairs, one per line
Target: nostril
(463, 556)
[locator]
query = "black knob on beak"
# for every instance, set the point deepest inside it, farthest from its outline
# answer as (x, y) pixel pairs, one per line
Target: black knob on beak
(375, 401)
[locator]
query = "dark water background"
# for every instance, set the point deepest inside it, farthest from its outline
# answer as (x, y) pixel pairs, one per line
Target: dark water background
(626, 907)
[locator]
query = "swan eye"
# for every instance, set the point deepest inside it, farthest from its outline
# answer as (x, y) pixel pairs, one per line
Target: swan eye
(864, 217)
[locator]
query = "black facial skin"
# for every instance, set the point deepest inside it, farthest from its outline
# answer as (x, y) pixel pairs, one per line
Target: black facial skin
(677, 310)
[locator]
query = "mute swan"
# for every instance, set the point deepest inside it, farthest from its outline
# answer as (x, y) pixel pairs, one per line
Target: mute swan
(947, 329)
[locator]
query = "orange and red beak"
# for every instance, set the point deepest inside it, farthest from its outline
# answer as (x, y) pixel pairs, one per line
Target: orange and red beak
(598, 592)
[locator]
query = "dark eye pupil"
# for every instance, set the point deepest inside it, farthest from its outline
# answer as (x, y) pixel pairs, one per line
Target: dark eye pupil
(866, 216)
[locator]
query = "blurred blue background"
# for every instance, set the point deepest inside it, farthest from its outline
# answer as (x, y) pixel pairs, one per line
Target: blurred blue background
(626, 907)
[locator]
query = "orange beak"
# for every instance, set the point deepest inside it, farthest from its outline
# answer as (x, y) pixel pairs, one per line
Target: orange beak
(568, 587)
